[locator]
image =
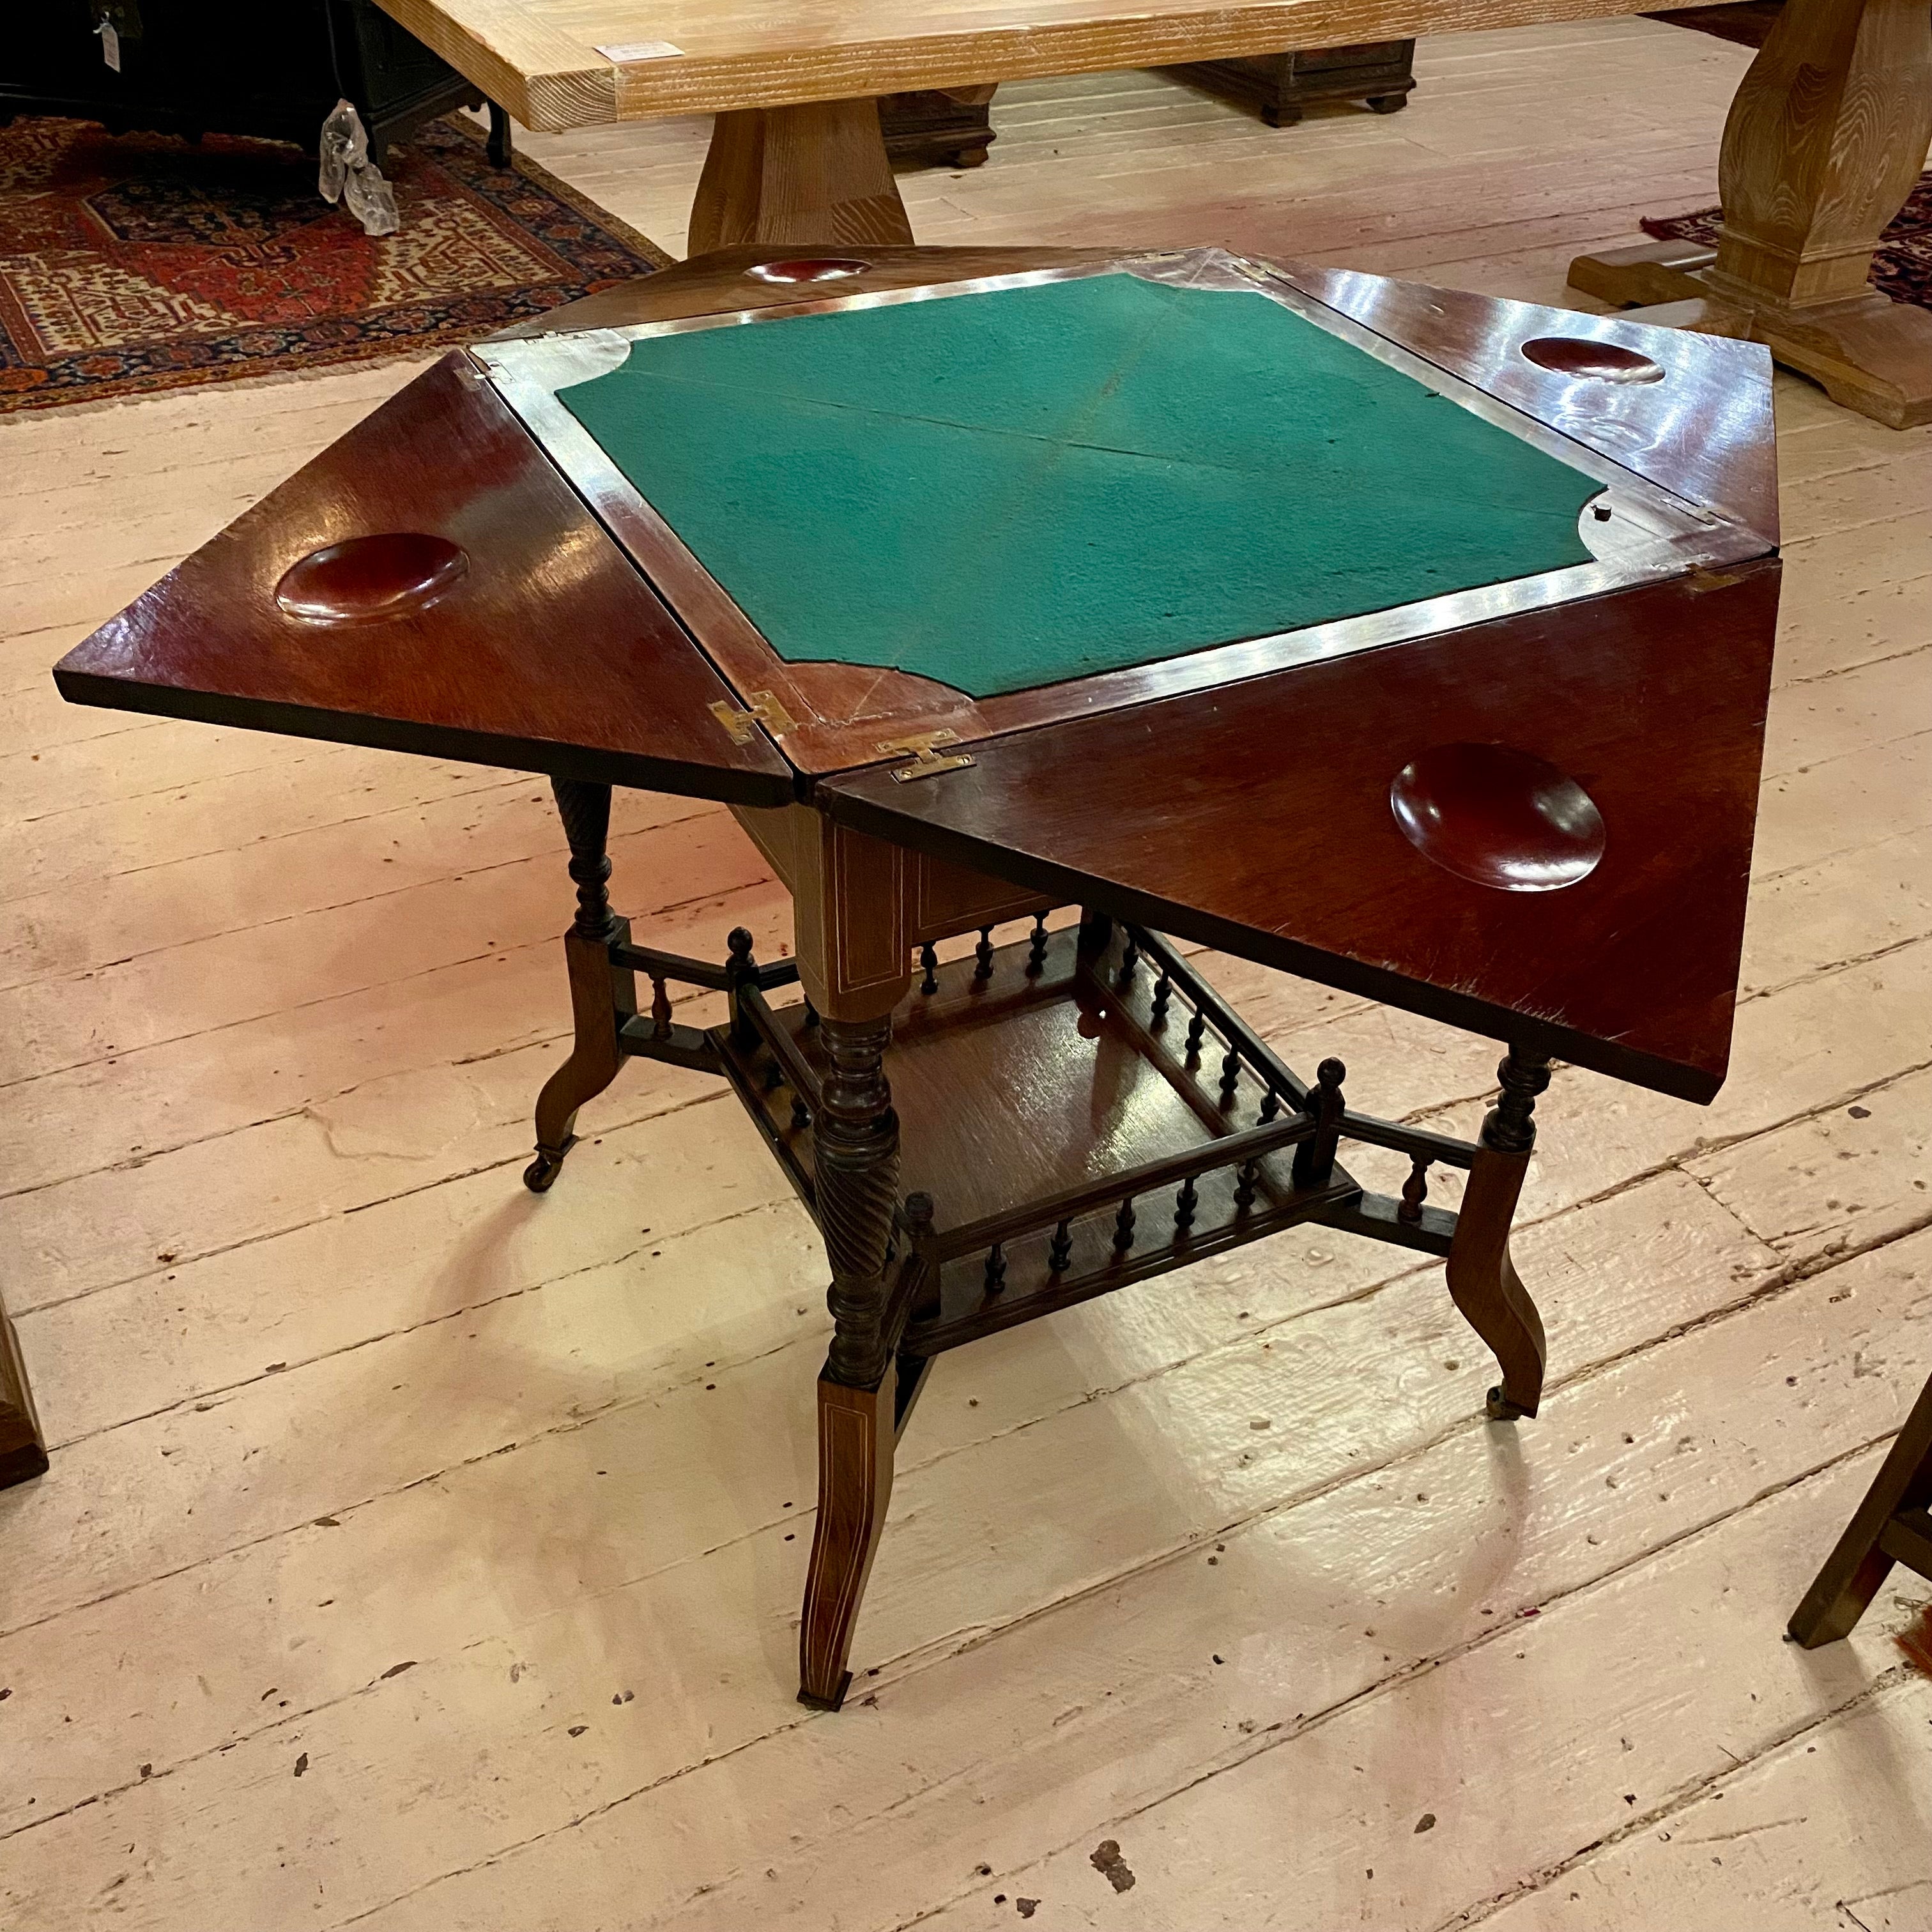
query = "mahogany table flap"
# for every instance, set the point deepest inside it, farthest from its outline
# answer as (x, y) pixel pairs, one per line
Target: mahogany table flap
(1259, 818)
(527, 639)
(1701, 426)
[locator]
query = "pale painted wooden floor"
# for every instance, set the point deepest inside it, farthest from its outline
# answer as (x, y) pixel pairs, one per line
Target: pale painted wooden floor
(380, 1487)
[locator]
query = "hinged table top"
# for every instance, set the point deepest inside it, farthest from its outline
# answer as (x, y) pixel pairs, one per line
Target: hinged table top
(1524, 807)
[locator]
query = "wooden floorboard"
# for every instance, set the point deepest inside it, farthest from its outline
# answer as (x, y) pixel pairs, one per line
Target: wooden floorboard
(420, 1555)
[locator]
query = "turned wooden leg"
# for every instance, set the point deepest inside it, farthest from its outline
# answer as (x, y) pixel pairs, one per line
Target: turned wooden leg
(1892, 1525)
(856, 1157)
(815, 176)
(602, 997)
(499, 136)
(1824, 141)
(22, 1449)
(1482, 1280)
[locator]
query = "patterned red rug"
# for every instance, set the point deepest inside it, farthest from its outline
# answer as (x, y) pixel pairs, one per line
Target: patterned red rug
(140, 262)
(1902, 268)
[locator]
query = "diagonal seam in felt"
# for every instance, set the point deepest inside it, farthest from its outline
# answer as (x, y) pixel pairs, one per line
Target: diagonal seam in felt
(1367, 490)
(1115, 472)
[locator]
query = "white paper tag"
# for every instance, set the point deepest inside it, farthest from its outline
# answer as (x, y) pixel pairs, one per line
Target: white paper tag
(624, 51)
(110, 45)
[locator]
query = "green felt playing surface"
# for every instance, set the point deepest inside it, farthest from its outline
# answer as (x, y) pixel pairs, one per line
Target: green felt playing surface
(1014, 488)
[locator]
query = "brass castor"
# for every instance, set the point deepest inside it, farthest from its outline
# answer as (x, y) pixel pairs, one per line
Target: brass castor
(542, 1172)
(1498, 1407)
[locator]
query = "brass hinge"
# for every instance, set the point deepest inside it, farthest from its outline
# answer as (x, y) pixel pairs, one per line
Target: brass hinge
(926, 761)
(765, 710)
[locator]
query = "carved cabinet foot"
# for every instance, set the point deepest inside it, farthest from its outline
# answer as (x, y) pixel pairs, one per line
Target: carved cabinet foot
(1482, 1280)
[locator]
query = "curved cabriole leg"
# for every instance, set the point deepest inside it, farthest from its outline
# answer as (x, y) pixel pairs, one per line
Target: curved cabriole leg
(856, 1146)
(1885, 1530)
(602, 996)
(1483, 1281)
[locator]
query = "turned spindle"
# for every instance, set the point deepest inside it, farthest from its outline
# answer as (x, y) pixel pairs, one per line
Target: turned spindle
(740, 970)
(1197, 1031)
(1163, 991)
(1415, 1190)
(1060, 1249)
(1314, 1157)
(1231, 1078)
(1185, 1203)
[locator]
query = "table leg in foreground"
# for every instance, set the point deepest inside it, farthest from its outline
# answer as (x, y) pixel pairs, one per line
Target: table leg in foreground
(602, 996)
(23, 1452)
(814, 176)
(1482, 1280)
(856, 1164)
(1892, 1525)
(1826, 140)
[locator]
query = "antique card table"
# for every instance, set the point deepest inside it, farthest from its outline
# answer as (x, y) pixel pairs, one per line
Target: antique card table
(1414, 642)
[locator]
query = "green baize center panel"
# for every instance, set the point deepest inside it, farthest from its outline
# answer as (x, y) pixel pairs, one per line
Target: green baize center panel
(1010, 488)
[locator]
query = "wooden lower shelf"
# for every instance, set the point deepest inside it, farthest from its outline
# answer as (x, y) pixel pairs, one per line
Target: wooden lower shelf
(1045, 1075)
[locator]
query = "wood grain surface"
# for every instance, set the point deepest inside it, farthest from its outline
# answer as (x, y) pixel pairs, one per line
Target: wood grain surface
(270, 1262)
(1652, 700)
(550, 654)
(558, 64)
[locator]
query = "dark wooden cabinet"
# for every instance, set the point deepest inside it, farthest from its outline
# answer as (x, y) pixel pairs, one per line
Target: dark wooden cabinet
(230, 66)
(952, 129)
(955, 129)
(1378, 72)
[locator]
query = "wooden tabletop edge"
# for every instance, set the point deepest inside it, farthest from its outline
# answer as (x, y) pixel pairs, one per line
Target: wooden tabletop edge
(778, 75)
(770, 782)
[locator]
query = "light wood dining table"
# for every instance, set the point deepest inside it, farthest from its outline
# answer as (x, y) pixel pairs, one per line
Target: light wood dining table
(1827, 136)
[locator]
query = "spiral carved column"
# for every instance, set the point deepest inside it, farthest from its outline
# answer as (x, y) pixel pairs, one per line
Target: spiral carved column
(585, 810)
(856, 1137)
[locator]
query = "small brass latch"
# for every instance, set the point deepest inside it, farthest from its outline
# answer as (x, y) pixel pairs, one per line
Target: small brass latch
(926, 760)
(765, 710)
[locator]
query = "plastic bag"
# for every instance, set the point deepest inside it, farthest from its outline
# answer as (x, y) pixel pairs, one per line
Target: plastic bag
(348, 174)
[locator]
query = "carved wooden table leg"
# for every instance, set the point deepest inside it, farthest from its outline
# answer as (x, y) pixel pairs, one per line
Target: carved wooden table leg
(1892, 1525)
(1826, 140)
(22, 1449)
(813, 175)
(1482, 1280)
(602, 997)
(856, 1140)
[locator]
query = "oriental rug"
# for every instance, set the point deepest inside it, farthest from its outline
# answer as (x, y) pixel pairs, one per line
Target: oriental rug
(138, 263)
